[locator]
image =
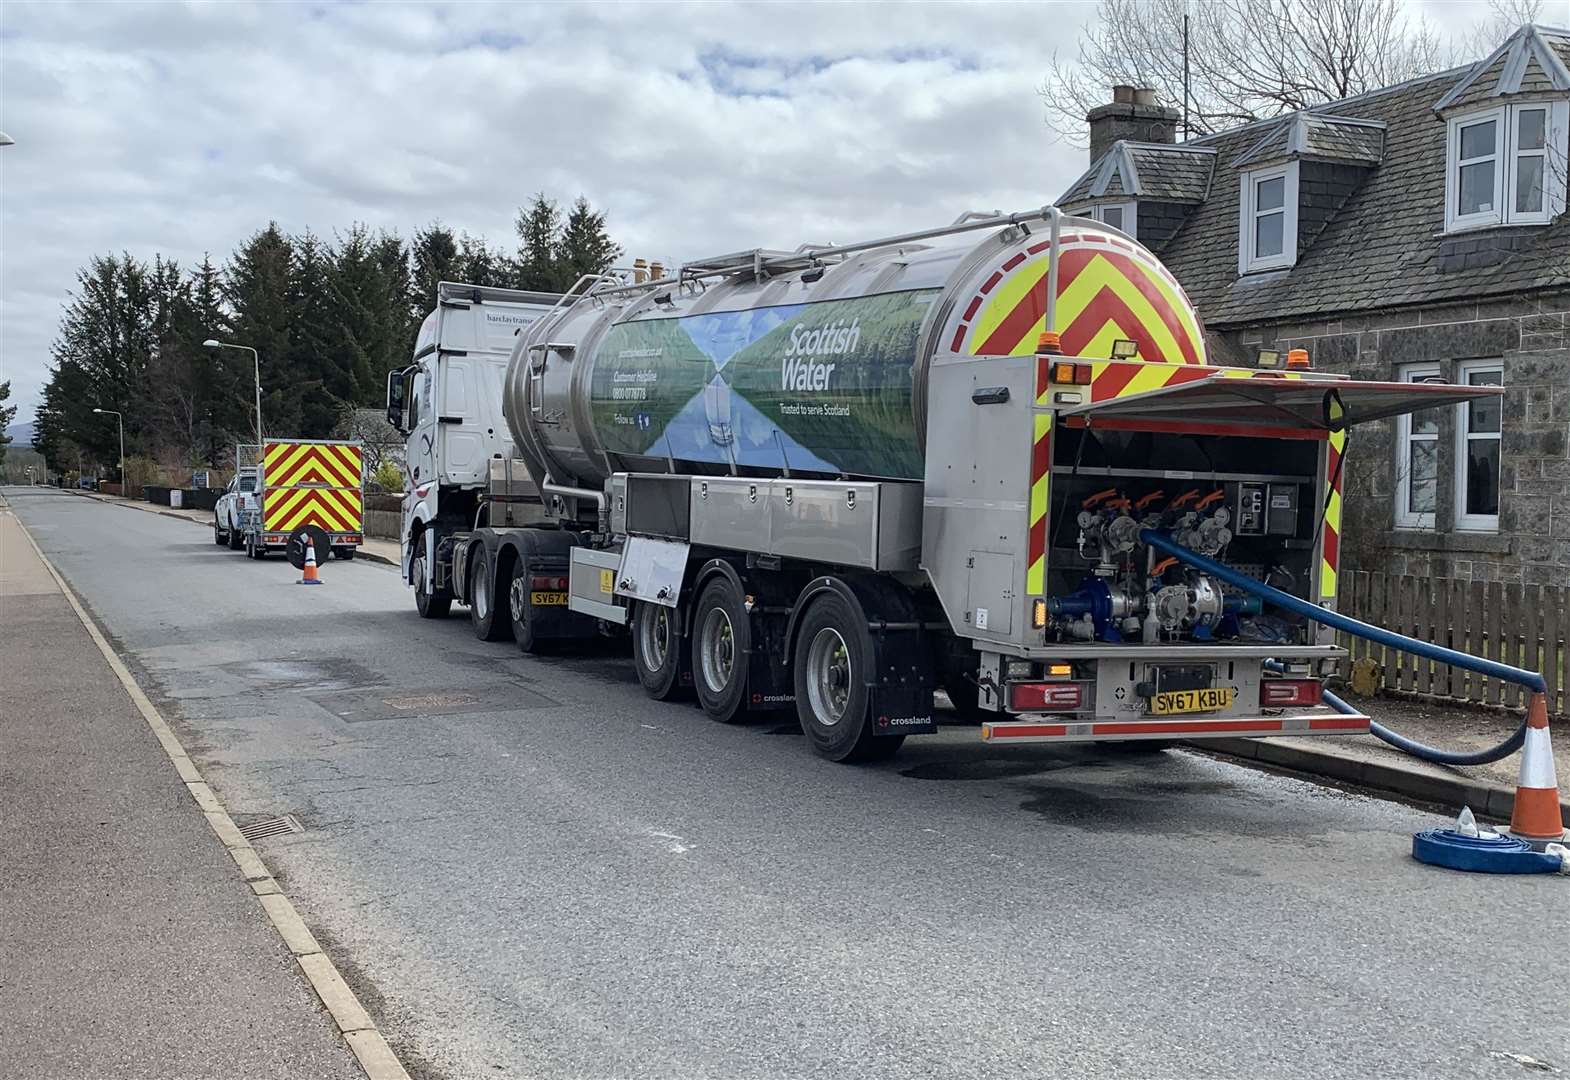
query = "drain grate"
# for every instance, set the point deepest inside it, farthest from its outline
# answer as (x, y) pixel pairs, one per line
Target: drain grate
(273, 826)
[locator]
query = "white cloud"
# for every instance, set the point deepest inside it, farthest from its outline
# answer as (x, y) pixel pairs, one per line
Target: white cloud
(181, 128)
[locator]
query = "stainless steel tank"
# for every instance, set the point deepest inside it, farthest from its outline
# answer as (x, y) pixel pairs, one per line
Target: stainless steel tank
(815, 361)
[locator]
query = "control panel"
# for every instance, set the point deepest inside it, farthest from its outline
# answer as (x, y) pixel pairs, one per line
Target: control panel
(1265, 509)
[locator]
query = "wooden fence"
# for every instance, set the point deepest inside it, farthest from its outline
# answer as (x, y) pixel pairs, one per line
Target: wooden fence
(1525, 626)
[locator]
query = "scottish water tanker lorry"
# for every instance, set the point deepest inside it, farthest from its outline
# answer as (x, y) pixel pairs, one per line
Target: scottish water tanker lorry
(840, 479)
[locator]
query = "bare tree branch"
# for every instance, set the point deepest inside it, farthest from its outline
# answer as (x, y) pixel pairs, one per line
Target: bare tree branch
(1249, 59)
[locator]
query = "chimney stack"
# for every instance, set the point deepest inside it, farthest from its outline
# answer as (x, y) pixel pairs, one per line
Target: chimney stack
(1133, 114)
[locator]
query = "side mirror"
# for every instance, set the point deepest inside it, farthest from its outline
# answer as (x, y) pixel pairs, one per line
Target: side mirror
(397, 399)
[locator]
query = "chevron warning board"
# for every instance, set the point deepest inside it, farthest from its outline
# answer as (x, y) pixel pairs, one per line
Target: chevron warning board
(312, 483)
(1108, 288)
(295, 464)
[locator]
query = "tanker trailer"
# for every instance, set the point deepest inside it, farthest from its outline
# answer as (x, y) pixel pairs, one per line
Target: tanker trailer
(839, 479)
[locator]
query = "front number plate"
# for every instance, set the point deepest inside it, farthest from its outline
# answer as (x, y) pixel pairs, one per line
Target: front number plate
(1190, 701)
(548, 599)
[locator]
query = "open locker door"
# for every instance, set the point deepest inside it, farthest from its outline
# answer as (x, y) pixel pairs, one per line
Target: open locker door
(1236, 398)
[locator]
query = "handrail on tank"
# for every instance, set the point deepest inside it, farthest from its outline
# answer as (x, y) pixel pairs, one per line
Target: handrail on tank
(808, 254)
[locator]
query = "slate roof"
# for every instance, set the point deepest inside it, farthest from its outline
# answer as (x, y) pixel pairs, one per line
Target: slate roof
(1147, 171)
(1321, 137)
(1384, 247)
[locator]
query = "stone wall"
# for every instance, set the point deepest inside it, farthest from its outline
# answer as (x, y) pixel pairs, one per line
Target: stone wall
(1531, 335)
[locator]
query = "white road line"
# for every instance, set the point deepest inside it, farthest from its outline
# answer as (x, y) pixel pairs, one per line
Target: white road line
(367, 1044)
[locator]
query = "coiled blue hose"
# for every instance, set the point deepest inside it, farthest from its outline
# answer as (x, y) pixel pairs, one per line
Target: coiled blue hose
(1529, 679)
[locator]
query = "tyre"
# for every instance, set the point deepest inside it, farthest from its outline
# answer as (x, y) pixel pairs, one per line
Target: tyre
(488, 611)
(429, 606)
(519, 608)
(345, 553)
(220, 537)
(831, 665)
(721, 643)
(965, 696)
(236, 539)
(656, 651)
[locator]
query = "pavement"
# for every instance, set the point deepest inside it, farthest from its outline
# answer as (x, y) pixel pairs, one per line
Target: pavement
(133, 945)
(525, 868)
(1366, 762)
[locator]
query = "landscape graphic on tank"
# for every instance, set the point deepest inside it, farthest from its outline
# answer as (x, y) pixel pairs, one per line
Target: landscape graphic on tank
(818, 387)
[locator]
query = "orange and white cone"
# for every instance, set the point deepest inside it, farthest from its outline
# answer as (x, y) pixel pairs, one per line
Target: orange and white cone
(1536, 815)
(308, 576)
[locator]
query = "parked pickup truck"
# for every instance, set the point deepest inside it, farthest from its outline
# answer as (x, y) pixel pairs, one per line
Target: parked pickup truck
(229, 514)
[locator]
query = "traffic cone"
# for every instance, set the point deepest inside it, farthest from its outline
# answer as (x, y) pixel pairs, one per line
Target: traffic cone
(309, 576)
(1535, 817)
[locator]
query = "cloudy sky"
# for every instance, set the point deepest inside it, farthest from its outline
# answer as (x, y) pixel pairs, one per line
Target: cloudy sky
(182, 127)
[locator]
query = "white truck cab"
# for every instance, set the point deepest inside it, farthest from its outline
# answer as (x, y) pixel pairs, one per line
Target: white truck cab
(447, 404)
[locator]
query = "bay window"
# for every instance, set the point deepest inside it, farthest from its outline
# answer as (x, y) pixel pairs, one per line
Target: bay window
(1506, 166)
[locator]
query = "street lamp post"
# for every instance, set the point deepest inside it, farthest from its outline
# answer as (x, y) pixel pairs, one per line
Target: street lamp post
(121, 421)
(214, 343)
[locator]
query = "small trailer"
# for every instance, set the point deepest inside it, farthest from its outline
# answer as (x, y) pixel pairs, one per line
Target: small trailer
(310, 488)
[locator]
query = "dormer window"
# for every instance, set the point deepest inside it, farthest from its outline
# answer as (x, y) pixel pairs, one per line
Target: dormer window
(1120, 215)
(1268, 225)
(1506, 166)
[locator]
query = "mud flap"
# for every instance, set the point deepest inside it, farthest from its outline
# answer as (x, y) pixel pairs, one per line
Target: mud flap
(902, 710)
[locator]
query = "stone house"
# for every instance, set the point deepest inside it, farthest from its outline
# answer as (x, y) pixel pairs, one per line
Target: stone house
(1416, 232)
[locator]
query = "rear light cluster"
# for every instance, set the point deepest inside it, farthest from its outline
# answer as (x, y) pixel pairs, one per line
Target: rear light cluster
(1045, 697)
(1071, 373)
(1286, 692)
(548, 584)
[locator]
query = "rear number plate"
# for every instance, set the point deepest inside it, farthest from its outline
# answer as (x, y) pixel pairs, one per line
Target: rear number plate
(548, 599)
(1190, 701)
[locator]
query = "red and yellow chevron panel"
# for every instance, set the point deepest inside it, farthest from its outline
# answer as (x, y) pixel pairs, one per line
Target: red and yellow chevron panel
(1040, 485)
(1330, 542)
(293, 464)
(337, 510)
(1108, 289)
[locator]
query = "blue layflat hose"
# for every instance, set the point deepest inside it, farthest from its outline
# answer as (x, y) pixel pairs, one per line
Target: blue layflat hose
(1270, 595)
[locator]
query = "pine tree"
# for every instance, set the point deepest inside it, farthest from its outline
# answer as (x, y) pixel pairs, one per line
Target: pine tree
(585, 246)
(6, 413)
(479, 265)
(539, 228)
(256, 286)
(320, 366)
(435, 258)
(398, 319)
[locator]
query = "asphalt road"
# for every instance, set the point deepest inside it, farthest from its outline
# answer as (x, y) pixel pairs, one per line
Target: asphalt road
(528, 869)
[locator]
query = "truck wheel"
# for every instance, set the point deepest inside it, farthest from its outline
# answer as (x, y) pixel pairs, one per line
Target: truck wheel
(219, 536)
(831, 664)
(346, 552)
(429, 607)
(236, 540)
(520, 609)
(721, 643)
(487, 610)
(656, 651)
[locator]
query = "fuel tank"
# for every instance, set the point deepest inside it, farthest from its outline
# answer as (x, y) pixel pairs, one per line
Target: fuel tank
(818, 368)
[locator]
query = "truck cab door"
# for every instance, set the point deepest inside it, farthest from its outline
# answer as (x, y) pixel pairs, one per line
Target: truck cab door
(421, 413)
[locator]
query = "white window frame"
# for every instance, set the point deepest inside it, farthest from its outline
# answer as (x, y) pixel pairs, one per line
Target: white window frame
(1506, 156)
(1130, 216)
(1247, 260)
(1463, 520)
(1405, 516)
